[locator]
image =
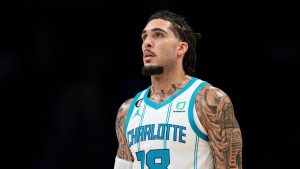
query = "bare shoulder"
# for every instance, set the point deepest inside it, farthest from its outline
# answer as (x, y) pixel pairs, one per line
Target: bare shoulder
(212, 104)
(123, 110)
(212, 97)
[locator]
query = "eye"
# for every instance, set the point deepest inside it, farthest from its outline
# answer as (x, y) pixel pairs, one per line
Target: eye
(144, 36)
(158, 34)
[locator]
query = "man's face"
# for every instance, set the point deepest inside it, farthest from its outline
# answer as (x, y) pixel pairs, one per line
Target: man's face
(160, 45)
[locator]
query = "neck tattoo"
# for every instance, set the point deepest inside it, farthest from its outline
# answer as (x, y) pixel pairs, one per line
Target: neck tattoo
(162, 95)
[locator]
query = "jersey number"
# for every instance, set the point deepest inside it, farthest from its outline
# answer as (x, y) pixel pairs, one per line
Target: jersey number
(155, 159)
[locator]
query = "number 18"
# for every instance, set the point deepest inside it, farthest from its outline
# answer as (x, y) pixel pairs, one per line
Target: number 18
(155, 159)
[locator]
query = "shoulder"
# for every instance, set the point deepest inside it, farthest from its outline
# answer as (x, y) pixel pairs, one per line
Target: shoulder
(212, 95)
(123, 109)
(125, 106)
(212, 102)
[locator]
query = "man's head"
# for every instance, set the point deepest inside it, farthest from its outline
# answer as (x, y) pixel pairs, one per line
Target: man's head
(168, 40)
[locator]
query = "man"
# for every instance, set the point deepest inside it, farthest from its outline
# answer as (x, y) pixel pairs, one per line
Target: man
(179, 122)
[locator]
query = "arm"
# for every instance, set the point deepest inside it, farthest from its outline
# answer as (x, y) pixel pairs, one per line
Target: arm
(123, 149)
(216, 114)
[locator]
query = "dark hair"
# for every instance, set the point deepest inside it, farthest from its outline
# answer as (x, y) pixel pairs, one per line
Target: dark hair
(184, 33)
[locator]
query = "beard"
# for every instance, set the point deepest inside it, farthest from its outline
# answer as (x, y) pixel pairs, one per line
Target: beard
(152, 70)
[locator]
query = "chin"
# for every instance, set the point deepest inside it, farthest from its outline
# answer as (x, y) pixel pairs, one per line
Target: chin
(150, 64)
(149, 70)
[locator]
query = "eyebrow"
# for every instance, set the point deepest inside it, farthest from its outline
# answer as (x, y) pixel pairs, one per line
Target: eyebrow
(154, 30)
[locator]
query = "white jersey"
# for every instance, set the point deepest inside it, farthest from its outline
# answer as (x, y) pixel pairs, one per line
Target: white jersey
(168, 135)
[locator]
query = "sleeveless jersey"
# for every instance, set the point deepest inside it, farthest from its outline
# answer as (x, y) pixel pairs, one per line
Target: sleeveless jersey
(168, 135)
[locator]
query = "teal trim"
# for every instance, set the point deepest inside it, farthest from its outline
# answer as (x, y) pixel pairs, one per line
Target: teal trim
(191, 109)
(159, 105)
(129, 113)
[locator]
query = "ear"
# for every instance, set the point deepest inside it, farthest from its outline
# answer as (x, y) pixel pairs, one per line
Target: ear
(182, 48)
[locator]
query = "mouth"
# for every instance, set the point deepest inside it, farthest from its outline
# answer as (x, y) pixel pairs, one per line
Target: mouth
(148, 55)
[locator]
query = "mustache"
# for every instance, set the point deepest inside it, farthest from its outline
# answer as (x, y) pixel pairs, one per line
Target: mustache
(148, 50)
(152, 70)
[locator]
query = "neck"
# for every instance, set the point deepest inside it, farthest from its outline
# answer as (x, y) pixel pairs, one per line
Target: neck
(165, 85)
(171, 75)
(164, 82)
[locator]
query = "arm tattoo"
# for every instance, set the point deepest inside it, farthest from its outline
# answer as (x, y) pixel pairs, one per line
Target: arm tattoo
(123, 149)
(216, 113)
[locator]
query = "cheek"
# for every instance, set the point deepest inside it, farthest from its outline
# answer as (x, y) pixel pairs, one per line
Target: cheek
(167, 51)
(165, 46)
(142, 47)
(170, 51)
(168, 57)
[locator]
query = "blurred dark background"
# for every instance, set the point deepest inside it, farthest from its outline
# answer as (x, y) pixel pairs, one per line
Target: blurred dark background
(67, 66)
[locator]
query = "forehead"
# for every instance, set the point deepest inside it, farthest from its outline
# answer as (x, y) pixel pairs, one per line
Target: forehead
(158, 23)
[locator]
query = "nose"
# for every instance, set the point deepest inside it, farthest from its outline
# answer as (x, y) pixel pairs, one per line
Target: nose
(147, 43)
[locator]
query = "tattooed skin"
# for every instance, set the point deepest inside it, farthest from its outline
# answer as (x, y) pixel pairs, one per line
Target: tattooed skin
(123, 149)
(160, 96)
(216, 114)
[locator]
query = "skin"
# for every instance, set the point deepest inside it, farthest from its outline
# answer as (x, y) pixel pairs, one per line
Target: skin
(213, 106)
(123, 149)
(168, 52)
(216, 115)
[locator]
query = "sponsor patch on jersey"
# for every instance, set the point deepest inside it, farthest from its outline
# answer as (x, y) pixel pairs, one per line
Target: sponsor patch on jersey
(179, 107)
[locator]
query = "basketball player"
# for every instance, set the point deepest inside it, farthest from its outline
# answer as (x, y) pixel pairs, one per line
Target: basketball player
(179, 122)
